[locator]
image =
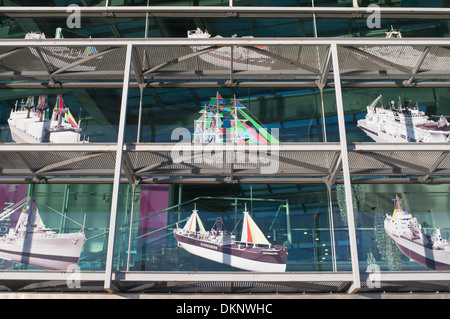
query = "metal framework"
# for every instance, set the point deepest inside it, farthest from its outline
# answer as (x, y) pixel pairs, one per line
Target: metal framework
(288, 163)
(231, 11)
(298, 63)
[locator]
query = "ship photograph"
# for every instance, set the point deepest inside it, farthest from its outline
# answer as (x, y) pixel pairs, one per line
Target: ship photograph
(31, 243)
(431, 251)
(253, 252)
(243, 58)
(31, 123)
(402, 123)
(227, 120)
(64, 57)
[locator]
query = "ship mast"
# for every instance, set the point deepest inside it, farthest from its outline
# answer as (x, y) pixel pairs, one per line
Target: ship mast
(29, 105)
(235, 120)
(216, 129)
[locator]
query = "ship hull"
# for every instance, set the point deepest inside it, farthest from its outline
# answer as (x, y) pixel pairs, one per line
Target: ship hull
(21, 137)
(377, 137)
(63, 56)
(30, 130)
(436, 259)
(57, 253)
(254, 259)
(393, 132)
(384, 137)
(243, 59)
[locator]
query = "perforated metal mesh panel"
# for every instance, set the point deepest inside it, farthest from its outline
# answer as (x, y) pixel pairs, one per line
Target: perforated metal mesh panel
(220, 61)
(165, 160)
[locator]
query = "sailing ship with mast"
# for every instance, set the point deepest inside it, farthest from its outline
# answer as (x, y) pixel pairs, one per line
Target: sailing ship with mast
(431, 251)
(252, 253)
(30, 242)
(228, 121)
(32, 123)
(242, 58)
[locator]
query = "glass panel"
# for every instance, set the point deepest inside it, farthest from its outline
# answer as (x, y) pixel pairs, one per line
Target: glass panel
(60, 3)
(431, 101)
(396, 240)
(98, 122)
(71, 226)
(317, 3)
(293, 217)
(177, 26)
(165, 110)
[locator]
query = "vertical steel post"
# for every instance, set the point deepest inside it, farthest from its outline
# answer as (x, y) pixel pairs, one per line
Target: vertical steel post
(117, 173)
(346, 172)
(332, 237)
(130, 233)
(288, 223)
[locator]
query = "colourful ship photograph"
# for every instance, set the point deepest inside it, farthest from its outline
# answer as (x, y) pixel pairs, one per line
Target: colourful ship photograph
(253, 252)
(31, 123)
(431, 251)
(226, 120)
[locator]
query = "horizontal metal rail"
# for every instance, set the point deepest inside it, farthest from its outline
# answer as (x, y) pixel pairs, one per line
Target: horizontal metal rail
(226, 12)
(226, 41)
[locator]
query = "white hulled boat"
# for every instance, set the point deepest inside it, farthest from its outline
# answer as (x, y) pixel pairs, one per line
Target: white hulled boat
(29, 123)
(401, 56)
(252, 58)
(253, 252)
(63, 56)
(403, 124)
(32, 243)
(430, 251)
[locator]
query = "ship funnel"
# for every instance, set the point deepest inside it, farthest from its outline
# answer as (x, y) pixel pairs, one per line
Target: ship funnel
(375, 102)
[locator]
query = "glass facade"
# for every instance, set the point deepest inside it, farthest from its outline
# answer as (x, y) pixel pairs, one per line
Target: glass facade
(309, 219)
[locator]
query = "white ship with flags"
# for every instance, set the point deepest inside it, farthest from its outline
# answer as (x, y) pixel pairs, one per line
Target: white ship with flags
(30, 242)
(31, 123)
(252, 253)
(244, 58)
(431, 251)
(403, 124)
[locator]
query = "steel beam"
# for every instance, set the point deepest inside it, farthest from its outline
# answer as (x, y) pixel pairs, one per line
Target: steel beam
(346, 173)
(117, 173)
(223, 84)
(417, 66)
(179, 60)
(83, 60)
(433, 167)
(285, 60)
(228, 41)
(322, 80)
(232, 276)
(308, 76)
(225, 180)
(227, 12)
(380, 61)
